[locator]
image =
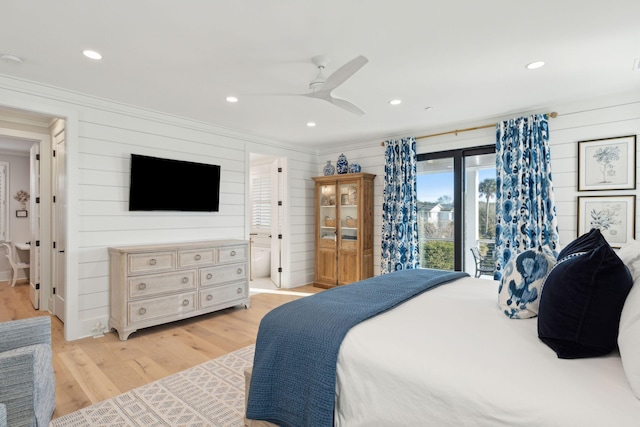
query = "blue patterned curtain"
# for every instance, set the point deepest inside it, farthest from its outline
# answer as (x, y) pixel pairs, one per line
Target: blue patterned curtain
(525, 210)
(399, 207)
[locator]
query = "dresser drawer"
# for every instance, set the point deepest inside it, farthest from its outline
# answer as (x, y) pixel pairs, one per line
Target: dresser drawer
(232, 254)
(196, 257)
(222, 294)
(215, 275)
(142, 286)
(161, 307)
(151, 262)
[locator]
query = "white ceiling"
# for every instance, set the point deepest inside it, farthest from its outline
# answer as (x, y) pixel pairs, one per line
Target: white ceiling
(463, 58)
(9, 145)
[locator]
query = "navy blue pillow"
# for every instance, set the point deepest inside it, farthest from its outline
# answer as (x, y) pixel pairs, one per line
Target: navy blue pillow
(591, 240)
(582, 300)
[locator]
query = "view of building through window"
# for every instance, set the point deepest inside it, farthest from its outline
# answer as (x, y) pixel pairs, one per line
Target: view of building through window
(436, 213)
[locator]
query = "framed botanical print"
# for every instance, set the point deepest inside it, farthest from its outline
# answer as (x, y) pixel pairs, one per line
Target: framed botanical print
(613, 215)
(607, 164)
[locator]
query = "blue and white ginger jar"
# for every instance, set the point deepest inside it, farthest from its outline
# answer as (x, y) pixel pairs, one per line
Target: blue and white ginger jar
(328, 169)
(354, 168)
(342, 165)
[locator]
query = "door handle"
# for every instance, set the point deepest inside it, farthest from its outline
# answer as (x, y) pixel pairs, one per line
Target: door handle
(62, 251)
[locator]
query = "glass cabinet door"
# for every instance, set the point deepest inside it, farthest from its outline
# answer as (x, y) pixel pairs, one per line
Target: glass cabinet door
(348, 216)
(328, 220)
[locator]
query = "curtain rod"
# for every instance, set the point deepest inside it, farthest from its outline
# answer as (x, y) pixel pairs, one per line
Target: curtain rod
(553, 115)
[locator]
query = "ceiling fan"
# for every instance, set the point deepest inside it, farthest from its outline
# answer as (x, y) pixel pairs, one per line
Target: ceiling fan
(322, 86)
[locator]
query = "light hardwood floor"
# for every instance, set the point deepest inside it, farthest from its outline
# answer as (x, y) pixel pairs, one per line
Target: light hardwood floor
(93, 369)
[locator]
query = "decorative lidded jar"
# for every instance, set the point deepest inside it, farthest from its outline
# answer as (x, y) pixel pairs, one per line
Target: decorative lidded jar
(342, 165)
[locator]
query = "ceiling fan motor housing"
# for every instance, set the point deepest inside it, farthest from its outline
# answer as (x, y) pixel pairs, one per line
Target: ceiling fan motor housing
(318, 80)
(319, 61)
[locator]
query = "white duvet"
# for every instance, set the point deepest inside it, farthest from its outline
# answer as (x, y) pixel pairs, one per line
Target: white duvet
(449, 358)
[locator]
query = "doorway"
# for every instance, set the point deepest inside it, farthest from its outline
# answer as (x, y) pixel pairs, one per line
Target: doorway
(29, 133)
(266, 214)
(456, 208)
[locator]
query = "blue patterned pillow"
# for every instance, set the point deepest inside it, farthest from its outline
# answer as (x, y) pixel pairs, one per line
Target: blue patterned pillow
(522, 279)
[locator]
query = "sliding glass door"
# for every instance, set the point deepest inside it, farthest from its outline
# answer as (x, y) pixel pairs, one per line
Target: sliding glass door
(456, 208)
(436, 213)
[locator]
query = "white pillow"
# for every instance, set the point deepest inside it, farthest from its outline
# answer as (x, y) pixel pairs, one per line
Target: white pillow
(630, 255)
(629, 338)
(522, 280)
(629, 333)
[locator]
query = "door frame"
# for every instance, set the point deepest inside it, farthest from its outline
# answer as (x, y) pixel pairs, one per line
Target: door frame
(281, 244)
(74, 327)
(459, 172)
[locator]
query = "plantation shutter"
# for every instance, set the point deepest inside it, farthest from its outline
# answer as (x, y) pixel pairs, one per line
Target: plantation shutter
(261, 201)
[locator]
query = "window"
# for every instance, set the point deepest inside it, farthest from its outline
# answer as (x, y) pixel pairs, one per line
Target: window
(456, 207)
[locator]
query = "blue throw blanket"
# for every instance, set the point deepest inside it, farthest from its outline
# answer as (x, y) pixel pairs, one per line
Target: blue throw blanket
(294, 369)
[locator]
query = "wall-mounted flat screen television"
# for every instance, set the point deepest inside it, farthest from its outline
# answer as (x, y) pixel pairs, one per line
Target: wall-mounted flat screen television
(173, 185)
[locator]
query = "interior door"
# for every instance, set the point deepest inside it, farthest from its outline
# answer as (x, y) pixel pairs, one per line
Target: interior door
(34, 251)
(59, 221)
(276, 223)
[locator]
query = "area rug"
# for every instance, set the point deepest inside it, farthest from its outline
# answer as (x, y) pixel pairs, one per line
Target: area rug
(209, 394)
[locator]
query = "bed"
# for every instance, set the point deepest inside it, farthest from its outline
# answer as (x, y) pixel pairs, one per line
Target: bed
(448, 357)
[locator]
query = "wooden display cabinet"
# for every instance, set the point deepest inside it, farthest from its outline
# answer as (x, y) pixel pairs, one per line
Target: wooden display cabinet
(344, 228)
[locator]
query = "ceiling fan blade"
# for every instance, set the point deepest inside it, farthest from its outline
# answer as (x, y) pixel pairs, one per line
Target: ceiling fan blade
(346, 105)
(338, 102)
(343, 73)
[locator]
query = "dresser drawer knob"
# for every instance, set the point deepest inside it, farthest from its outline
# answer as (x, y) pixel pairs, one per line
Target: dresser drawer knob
(239, 290)
(185, 279)
(209, 297)
(142, 311)
(142, 286)
(152, 261)
(198, 257)
(233, 253)
(185, 302)
(239, 271)
(209, 276)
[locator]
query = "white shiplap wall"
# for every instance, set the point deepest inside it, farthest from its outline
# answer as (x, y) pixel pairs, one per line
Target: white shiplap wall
(584, 122)
(590, 119)
(101, 135)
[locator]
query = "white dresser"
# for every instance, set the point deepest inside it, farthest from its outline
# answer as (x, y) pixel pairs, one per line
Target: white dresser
(155, 284)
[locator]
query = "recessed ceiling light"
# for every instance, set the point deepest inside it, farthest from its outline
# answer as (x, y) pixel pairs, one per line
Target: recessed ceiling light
(395, 102)
(311, 124)
(92, 54)
(7, 57)
(534, 65)
(232, 99)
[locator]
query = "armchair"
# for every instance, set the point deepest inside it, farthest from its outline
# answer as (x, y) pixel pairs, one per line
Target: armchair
(27, 382)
